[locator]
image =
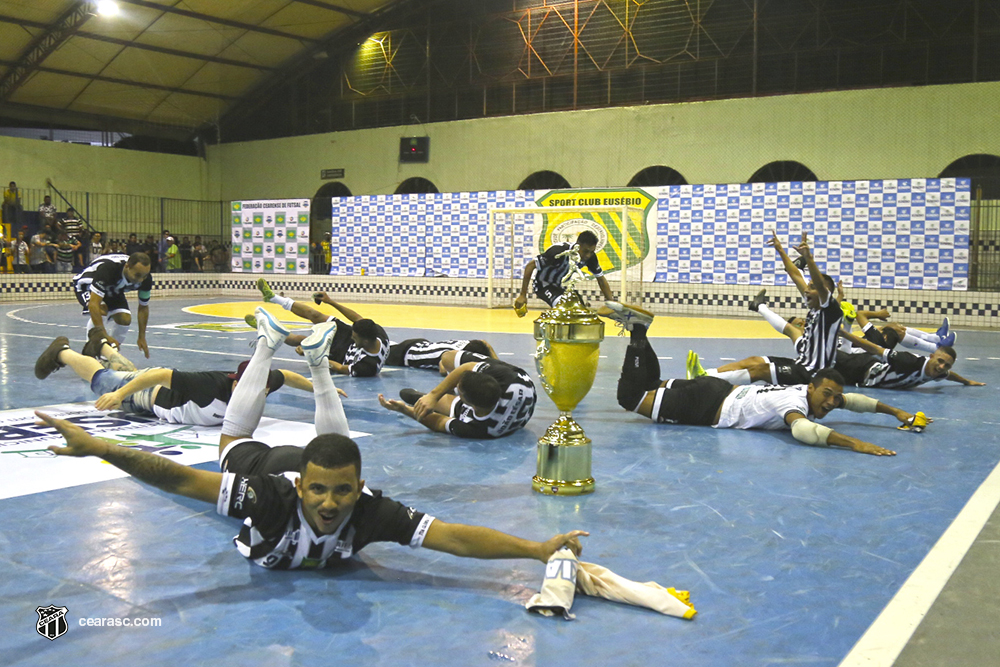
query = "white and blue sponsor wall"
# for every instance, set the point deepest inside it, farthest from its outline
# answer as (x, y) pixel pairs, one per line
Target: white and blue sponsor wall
(886, 234)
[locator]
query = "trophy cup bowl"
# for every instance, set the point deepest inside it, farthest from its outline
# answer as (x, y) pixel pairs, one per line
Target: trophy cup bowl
(569, 336)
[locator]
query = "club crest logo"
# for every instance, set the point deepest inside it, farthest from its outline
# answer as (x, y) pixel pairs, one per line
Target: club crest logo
(51, 621)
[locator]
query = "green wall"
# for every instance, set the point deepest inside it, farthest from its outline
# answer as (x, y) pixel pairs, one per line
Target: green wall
(888, 133)
(74, 167)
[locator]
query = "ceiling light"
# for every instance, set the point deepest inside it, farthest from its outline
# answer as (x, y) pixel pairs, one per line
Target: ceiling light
(107, 7)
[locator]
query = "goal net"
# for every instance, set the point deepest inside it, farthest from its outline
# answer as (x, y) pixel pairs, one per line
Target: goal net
(517, 235)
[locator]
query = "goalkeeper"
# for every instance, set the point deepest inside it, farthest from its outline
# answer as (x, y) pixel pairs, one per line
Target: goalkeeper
(549, 269)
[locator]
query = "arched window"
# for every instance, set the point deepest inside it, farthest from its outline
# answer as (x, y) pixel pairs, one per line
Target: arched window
(415, 185)
(321, 205)
(983, 169)
(658, 175)
(544, 180)
(783, 170)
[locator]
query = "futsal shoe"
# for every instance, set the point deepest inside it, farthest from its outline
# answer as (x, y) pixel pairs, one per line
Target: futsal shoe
(758, 301)
(316, 348)
(410, 396)
(694, 368)
(95, 343)
(270, 329)
(48, 362)
(625, 314)
(265, 290)
(943, 329)
(251, 321)
(948, 340)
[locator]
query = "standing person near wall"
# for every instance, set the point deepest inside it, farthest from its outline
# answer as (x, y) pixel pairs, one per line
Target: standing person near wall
(39, 257)
(20, 251)
(47, 216)
(186, 255)
(96, 247)
(173, 256)
(65, 250)
(11, 205)
(133, 245)
(198, 254)
(161, 250)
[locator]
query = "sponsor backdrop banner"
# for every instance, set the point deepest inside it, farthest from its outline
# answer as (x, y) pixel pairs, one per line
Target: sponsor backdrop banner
(27, 466)
(271, 236)
(895, 233)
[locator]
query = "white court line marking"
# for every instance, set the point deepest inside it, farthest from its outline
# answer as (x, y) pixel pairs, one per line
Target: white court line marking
(972, 358)
(888, 635)
(993, 358)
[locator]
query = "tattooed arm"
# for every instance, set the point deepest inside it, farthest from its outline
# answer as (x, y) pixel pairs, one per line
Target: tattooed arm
(154, 470)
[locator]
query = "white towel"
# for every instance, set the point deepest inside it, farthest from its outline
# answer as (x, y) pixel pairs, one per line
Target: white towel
(559, 586)
(592, 579)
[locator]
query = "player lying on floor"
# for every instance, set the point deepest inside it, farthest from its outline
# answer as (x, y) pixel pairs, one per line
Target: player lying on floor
(428, 355)
(178, 397)
(712, 401)
(301, 507)
(360, 349)
(897, 369)
(479, 398)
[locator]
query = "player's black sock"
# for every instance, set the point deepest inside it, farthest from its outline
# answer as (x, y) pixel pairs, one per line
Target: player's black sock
(638, 335)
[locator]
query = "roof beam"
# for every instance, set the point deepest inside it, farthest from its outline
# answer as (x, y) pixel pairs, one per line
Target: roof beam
(90, 121)
(216, 19)
(124, 82)
(43, 46)
(334, 8)
(141, 46)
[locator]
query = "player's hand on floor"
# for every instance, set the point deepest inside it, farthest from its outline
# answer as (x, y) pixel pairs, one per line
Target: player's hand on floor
(78, 441)
(393, 405)
(869, 448)
(108, 401)
(554, 544)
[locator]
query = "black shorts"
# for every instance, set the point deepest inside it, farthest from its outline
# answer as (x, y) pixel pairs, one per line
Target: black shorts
(854, 367)
(693, 402)
(113, 302)
(256, 458)
(549, 293)
(397, 353)
(887, 338)
(785, 372)
(342, 340)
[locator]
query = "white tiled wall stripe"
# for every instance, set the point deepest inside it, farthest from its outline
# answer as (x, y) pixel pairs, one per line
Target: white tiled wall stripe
(916, 307)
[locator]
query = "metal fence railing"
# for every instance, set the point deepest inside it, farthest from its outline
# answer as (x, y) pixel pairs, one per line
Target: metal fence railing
(984, 245)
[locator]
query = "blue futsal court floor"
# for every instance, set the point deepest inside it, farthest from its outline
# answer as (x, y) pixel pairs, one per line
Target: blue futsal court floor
(789, 552)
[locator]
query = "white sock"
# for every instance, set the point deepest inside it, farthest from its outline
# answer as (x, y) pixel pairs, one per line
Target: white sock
(741, 376)
(922, 335)
(118, 331)
(283, 301)
(246, 406)
(330, 417)
(916, 343)
(776, 321)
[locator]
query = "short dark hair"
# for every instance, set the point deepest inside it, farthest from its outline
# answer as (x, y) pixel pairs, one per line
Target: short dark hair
(367, 329)
(479, 389)
(831, 374)
(587, 237)
(331, 450)
(477, 346)
(138, 258)
(831, 285)
(949, 350)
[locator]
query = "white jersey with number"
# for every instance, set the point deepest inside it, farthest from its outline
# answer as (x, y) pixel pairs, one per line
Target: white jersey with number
(762, 406)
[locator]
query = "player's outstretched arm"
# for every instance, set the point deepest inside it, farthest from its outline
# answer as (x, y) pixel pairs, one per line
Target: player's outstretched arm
(435, 421)
(955, 377)
(152, 469)
(815, 275)
(816, 435)
(151, 378)
(481, 542)
(522, 297)
(790, 268)
(861, 403)
(602, 282)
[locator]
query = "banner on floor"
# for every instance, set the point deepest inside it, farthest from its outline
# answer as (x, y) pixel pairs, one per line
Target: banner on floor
(893, 233)
(270, 236)
(27, 466)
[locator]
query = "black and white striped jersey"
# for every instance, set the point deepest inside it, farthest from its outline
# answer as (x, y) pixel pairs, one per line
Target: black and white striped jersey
(276, 535)
(817, 347)
(105, 277)
(550, 270)
(359, 363)
(427, 354)
(900, 371)
(513, 410)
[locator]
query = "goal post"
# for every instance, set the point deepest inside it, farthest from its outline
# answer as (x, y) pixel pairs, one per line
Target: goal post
(517, 235)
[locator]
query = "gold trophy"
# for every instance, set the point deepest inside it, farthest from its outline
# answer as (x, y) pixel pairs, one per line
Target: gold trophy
(569, 336)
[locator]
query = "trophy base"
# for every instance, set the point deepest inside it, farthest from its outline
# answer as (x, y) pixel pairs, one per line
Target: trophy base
(564, 454)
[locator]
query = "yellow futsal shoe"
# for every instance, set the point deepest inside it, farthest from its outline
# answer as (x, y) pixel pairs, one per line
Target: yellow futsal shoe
(694, 368)
(251, 321)
(265, 290)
